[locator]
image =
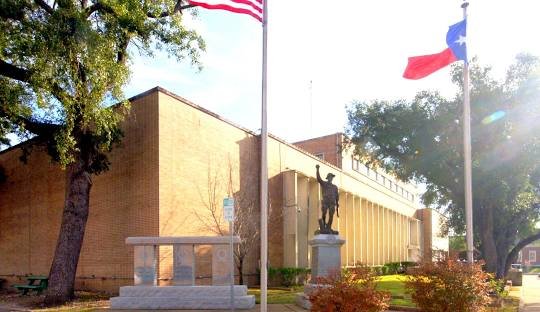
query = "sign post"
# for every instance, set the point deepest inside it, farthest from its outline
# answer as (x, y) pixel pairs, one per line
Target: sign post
(228, 215)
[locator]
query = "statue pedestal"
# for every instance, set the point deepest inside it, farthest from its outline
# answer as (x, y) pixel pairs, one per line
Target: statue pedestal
(325, 261)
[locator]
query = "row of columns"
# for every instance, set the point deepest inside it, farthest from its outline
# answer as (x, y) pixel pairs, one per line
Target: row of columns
(374, 234)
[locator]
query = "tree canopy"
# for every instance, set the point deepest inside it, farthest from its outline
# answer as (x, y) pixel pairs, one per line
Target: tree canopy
(62, 64)
(422, 140)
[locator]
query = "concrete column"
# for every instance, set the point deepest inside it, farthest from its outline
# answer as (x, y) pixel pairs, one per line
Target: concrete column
(358, 229)
(302, 227)
(380, 248)
(396, 249)
(314, 210)
(392, 225)
(372, 235)
(384, 228)
(364, 233)
(350, 238)
(342, 225)
(290, 204)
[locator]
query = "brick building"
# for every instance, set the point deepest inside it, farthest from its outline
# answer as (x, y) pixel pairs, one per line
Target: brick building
(530, 255)
(173, 157)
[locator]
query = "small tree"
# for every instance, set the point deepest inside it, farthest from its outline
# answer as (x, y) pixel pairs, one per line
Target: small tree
(246, 218)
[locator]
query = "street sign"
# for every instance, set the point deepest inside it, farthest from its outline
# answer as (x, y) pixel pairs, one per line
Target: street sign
(228, 209)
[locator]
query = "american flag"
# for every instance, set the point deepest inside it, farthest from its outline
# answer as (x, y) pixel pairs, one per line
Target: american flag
(249, 7)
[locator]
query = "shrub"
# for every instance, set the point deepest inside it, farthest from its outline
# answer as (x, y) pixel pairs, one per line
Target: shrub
(449, 286)
(288, 276)
(353, 290)
(397, 267)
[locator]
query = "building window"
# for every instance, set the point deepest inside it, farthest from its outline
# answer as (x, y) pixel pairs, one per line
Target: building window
(532, 256)
(355, 164)
(320, 156)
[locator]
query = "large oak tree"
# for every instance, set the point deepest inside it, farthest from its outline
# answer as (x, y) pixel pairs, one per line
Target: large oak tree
(62, 63)
(422, 140)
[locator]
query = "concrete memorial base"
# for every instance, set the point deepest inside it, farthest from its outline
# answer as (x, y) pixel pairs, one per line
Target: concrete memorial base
(325, 261)
(182, 298)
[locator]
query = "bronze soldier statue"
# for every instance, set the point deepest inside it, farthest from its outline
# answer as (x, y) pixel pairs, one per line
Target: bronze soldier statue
(330, 202)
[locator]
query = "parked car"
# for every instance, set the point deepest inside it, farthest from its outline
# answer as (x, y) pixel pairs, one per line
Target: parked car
(517, 267)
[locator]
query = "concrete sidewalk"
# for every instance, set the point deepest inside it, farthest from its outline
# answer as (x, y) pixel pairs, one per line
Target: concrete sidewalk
(530, 294)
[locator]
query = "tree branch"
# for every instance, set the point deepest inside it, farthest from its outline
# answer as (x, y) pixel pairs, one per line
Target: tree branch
(14, 72)
(512, 255)
(177, 8)
(42, 4)
(98, 6)
(23, 75)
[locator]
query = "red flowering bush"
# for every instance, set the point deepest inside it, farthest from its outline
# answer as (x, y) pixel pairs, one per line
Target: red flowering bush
(449, 286)
(352, 290)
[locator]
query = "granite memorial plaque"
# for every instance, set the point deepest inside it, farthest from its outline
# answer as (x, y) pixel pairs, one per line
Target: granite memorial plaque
(221, 265)
(184, 265)
(144, 271)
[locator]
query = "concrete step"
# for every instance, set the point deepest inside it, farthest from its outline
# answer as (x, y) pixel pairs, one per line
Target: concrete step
(182, 291)
(182, 303)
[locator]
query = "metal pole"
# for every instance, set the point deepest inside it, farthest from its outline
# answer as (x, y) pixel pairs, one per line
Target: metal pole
(264, 167)
(231, 230)
(467, 154)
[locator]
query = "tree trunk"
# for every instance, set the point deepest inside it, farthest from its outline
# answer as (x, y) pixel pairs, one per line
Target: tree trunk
(70, 238)
(512, 255)
(240, 267)
(489, 248)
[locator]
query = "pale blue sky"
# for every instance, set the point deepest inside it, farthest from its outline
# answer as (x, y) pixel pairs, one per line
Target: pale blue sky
(349, 49)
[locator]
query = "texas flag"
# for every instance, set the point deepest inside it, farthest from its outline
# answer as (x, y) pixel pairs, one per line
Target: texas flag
(422, 66)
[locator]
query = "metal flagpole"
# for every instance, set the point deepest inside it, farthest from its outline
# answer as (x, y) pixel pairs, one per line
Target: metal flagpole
(264, 167)
(467, 154)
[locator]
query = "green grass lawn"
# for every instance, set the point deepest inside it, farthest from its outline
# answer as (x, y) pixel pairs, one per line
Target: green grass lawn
(395, 284)
(277, 296)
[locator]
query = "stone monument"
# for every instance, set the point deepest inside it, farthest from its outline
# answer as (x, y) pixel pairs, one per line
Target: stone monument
(326, 244)
(183, 294)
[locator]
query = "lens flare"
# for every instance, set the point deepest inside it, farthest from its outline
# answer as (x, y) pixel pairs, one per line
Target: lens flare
(493, 117)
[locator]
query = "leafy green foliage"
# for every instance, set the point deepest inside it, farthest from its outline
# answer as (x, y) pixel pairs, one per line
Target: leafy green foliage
(449, 286)
(64, 63)
(422, 140)
(352, 290)
(289, 276)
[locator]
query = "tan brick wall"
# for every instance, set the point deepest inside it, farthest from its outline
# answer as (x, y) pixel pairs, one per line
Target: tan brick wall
(123, 202)
(197, 154)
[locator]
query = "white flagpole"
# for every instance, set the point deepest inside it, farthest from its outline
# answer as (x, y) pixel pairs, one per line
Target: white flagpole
(264, 167)
(467, 154)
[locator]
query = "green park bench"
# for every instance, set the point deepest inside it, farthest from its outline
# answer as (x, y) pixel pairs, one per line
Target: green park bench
(35, 282)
